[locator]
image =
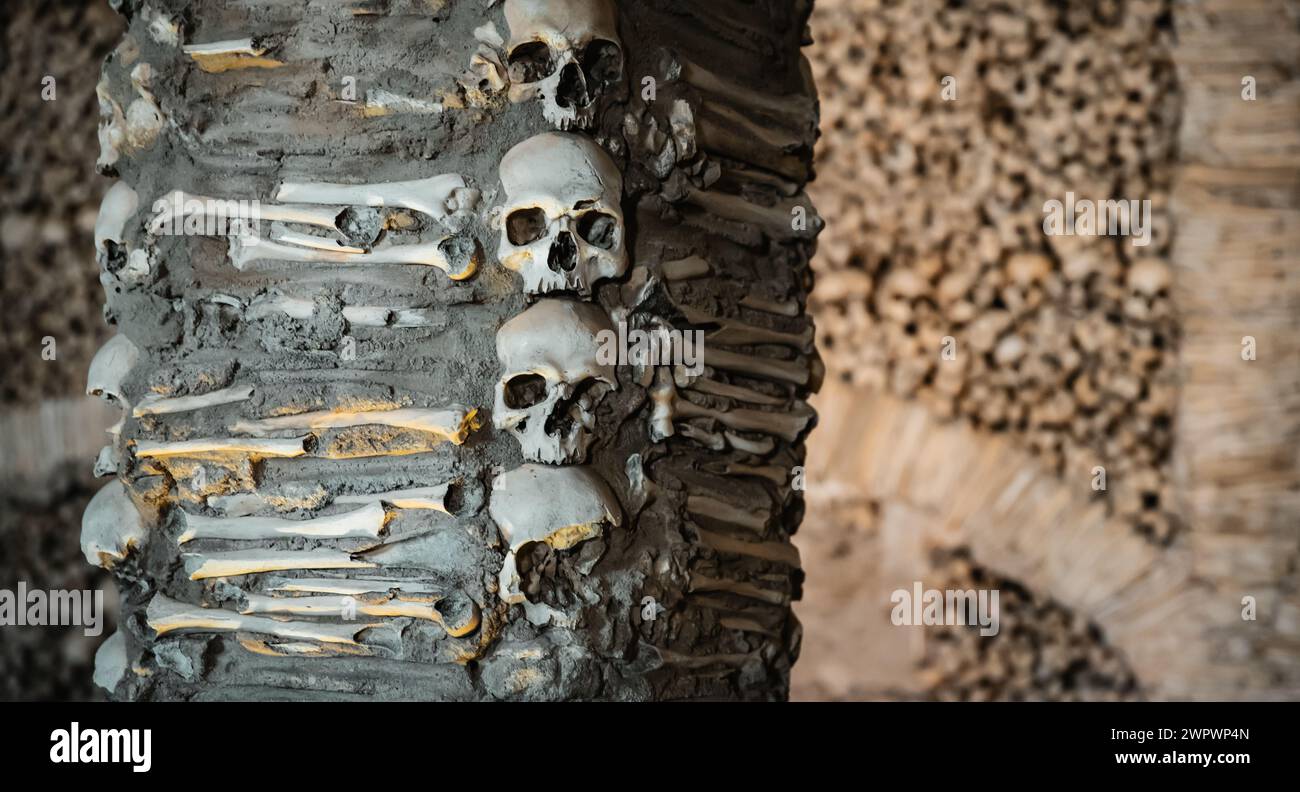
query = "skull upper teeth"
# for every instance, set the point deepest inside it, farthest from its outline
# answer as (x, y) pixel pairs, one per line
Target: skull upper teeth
(566, 51)
(562, 223)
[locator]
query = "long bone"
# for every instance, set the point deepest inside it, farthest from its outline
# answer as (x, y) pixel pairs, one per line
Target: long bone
(435, 196)
(423, 608)
(793, 111)
(161, 405)
(787, 426)
(348, 587)
(734, 332)
(220, 446)
(356, 315)
(776, 221)
(165, 615)
(111, 526)
(454, 255)
(452, 424)
(795, 372)
(191, 205)
(367, 522)
(236, 563)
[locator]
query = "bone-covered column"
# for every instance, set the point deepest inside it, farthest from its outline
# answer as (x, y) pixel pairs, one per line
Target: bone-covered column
(379, 280)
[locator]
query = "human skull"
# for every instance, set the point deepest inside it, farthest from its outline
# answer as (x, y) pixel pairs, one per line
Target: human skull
(554, 378)
(566, 51)
(563, 223)
(561, 507)
(1149, 283)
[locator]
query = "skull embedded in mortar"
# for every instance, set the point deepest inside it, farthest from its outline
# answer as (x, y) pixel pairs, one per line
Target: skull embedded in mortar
(560, 507)
(554, 378)
(567, 52)
(563, 223)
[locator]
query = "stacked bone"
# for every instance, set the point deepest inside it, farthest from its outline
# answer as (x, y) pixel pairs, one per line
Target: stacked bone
(704, 453)
(1041, 652)
(291, 483)
(947, 127)
(47, 207)
(296, 494)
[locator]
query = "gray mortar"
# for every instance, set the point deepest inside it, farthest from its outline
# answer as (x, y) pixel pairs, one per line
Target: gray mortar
(238, 137)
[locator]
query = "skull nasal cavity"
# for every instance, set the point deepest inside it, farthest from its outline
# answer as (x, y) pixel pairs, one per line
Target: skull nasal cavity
(524, 391)
(564, 253)
(572, 91)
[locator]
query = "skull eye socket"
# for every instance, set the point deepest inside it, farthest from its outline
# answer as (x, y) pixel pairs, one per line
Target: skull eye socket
(524, 391)
(599, 229)
(602, 62)
(531, 62)
(525, 226)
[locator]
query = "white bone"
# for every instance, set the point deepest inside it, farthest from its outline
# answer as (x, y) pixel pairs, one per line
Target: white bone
(761, 447)
(111, 526)
(242, 46)
(448, 255)
(430, 498)
(105, 462)
(287, 448)
(181, 205)
(560, 506)
(165, 615)
(335, 607)
(154, 404)
(558, 340)
(235, 563)
(566, 178)
(380, 102)
(567, 28)
(117, 208)
(367, 522)
(795, 372)
(111, 661)
(685, 269)
(429, 196)
(111, 365)
(310, 241)
(348, 586)
(452, 424)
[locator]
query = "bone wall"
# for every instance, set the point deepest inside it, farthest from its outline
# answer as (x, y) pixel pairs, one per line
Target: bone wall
(1068, 343)
(365, 451)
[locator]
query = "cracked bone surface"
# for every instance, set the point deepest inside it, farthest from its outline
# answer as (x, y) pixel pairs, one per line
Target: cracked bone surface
(293, 439)
(565, 52)
(563, 222)
(553, 379)
(560, 507)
